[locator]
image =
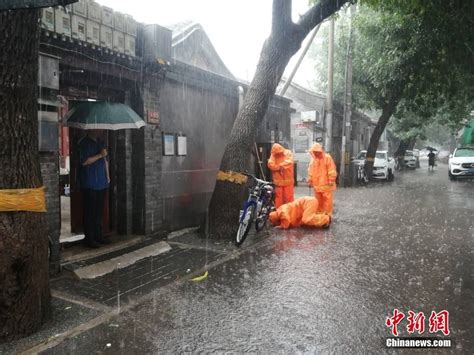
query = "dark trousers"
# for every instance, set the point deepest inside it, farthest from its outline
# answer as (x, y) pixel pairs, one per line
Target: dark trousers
(93, 211)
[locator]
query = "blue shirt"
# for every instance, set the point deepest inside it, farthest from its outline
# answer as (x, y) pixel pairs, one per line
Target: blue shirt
(92, 176)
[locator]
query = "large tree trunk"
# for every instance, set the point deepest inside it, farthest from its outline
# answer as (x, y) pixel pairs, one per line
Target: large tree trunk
(405, 144)
(284, 41)
(387, 112)
(24, 279)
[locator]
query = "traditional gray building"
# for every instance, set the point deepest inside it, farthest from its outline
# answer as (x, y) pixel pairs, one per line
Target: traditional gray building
(308, 123)
(162, 175)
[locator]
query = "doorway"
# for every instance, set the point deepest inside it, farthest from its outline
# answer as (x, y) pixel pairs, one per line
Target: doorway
(72, 229)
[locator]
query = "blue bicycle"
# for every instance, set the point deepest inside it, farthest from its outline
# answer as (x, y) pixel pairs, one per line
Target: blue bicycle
(256, 209)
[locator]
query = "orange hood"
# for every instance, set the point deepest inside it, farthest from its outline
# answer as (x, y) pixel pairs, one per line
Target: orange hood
(277, 149)
(316, 148)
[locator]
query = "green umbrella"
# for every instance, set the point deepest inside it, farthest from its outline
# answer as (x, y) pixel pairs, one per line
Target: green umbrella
(103, 115)
(467, 138)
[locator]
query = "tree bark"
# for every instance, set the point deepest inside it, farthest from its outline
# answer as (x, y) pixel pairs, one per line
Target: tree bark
(284, 41)
(404, 146)
(24, 279)
(387, 111)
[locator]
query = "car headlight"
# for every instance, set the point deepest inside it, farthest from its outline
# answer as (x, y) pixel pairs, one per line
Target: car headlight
(456, 164)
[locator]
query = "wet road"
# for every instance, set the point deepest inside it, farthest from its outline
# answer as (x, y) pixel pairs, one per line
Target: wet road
(406, 245)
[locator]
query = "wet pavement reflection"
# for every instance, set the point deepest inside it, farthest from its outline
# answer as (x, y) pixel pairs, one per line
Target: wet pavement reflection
(406, 245)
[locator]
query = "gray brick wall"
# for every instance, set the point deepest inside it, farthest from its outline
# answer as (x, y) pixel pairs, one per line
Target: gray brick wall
(147, 210)
(124, 182)
(153, 201)
(138, 182)
(49, 163)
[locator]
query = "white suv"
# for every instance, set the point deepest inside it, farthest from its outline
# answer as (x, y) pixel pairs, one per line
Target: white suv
(384, 166)
(410, 159)
(461, 163)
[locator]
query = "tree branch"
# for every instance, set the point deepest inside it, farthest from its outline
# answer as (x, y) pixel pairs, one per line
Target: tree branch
(317, 14)
(281, 16)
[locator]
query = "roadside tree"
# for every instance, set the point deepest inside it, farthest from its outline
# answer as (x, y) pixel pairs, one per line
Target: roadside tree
(284, 41)
(24, 275)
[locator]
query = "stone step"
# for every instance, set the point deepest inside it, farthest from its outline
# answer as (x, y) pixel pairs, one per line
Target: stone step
(106, 267)
(78, 255)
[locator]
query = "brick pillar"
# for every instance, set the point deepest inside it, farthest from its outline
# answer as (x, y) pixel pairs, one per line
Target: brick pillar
(49, 163)
(153, 201)
(138, 181)
(124, 182)
(147, 216)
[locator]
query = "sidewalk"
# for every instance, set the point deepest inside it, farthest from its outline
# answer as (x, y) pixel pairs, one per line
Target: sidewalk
(80, 304)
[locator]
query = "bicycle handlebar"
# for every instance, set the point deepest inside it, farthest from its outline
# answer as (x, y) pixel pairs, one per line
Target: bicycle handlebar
(260, 181)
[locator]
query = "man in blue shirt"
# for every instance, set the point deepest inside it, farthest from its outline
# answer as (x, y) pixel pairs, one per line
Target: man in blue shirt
(94, 180)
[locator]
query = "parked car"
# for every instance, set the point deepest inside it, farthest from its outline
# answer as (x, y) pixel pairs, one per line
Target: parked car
(416, 154)
(410, 159)
(461, 163)
(384, 166)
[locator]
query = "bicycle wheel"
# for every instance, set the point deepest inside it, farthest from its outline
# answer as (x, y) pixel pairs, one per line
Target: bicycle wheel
(244, 226)
(261, 220)
(365, 177)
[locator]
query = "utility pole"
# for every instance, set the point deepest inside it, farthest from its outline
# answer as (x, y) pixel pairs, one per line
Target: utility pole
(346, 146)
(298, 63)
(330, 87)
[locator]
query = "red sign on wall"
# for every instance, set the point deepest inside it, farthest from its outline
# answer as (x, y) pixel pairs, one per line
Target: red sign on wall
(153, 117)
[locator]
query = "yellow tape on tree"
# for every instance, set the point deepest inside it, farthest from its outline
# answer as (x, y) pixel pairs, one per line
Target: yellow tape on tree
(30, 200)
(231, 176)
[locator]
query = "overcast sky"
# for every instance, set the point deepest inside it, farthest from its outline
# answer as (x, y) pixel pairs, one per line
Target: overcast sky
(237, 29)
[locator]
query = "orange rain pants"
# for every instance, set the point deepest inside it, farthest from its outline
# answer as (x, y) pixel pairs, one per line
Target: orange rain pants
(283, 195)
(322, 176)
(301, 212)
(282, 166)
(325, 201)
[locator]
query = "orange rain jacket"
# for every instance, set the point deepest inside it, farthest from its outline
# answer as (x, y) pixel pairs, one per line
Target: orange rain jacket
(281, 164)
(322, 171)
(302, 211)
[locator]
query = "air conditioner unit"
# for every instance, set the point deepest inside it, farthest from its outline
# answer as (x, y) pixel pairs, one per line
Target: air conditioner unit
(79, 27)
(63, 22)
(119, 41)
(107, 16)
(94, 11)
(80, 8)
(106, 37)
(93, 32)
(119, 22)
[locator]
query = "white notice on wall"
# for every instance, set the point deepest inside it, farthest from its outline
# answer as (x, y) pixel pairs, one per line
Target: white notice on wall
(168, 144)
(182, 145)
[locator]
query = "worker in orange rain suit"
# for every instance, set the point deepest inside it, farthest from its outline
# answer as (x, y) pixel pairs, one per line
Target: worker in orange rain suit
(301, 212)
(322, 176)
(281, 165)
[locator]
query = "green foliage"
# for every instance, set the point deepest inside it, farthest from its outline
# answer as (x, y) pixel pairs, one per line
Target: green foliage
(319, 54)
(417, 53)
